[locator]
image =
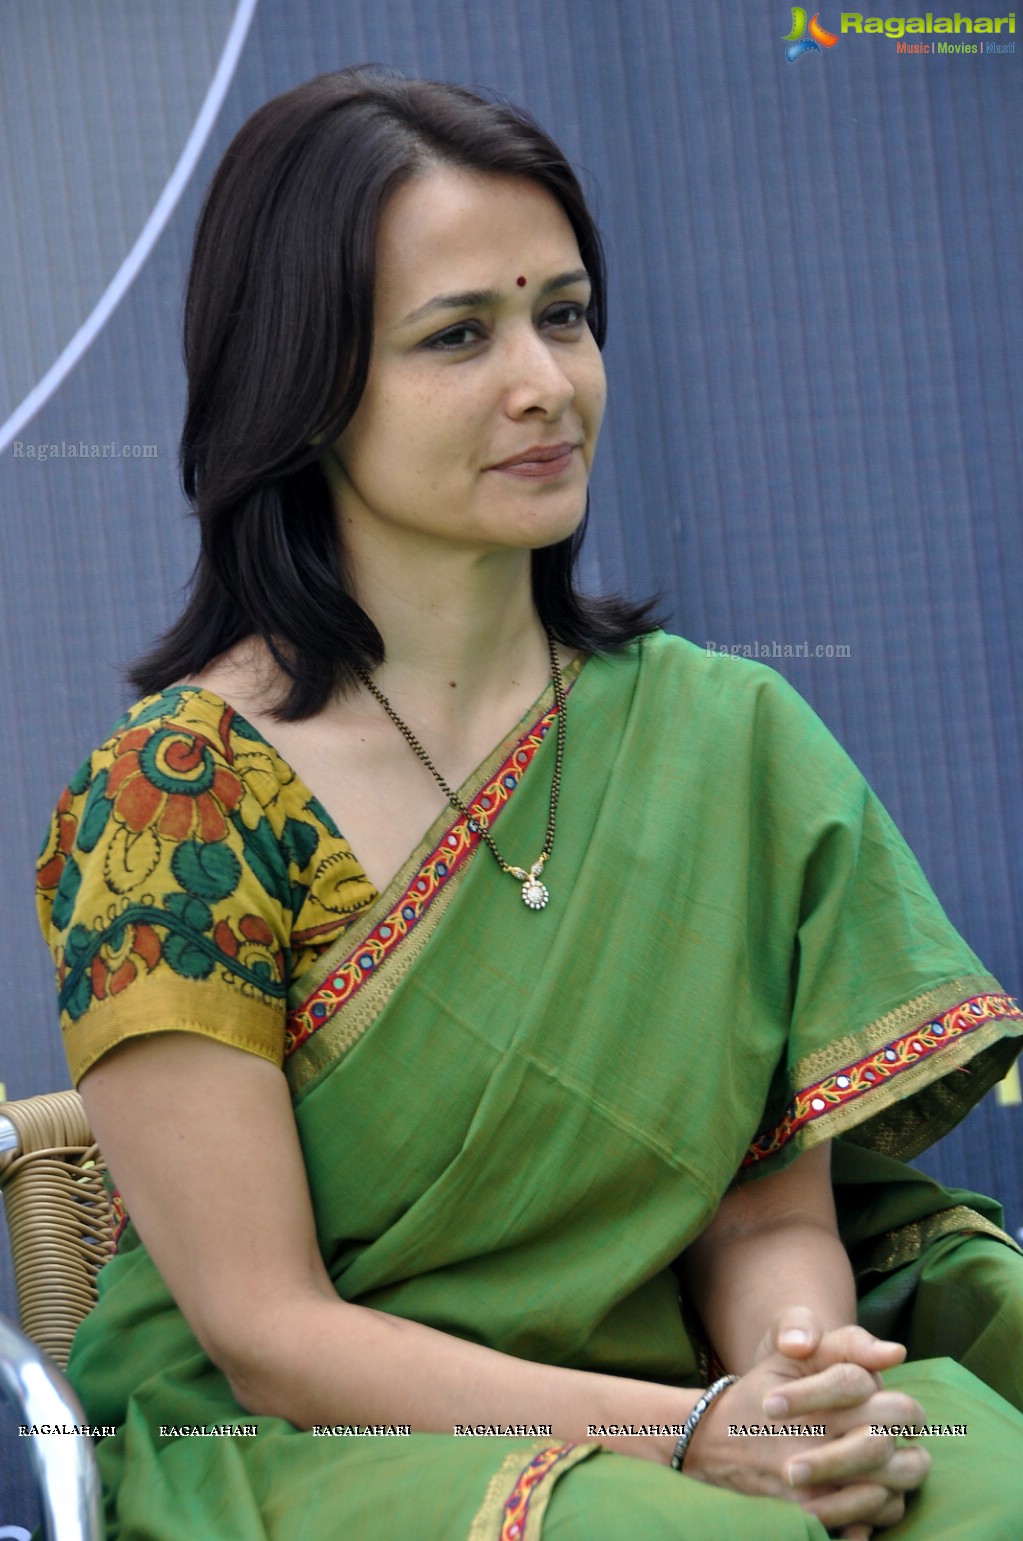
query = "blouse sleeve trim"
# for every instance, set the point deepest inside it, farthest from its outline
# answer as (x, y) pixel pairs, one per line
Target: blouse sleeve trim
(159, 1005)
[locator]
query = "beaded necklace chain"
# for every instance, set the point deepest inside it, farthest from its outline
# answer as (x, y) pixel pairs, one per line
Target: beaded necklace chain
(534, 893)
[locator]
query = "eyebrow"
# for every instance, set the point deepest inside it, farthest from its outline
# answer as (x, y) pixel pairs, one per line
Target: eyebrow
(472, 299)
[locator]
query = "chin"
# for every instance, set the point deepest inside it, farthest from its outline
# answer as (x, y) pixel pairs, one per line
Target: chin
(545, 542)
(552, 528)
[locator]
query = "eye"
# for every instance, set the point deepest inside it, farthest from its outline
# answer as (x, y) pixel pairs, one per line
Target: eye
(566, 316)
(455, 338)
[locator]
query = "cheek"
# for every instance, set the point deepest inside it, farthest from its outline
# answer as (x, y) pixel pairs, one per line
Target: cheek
(600, 394)
(373, 438)
(594, 382)
(414, 414)
(596, 399)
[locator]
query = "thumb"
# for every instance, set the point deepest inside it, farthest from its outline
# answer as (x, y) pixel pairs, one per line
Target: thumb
(796, 1332)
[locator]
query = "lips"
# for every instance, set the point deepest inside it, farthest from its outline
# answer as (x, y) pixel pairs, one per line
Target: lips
(540, 460)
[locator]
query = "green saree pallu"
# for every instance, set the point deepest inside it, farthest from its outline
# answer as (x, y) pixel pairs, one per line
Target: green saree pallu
(514, 1122)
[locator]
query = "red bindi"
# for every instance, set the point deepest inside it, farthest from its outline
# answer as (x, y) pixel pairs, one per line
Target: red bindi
(521, 282)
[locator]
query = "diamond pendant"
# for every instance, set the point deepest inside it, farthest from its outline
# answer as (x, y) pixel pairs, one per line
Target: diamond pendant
(534, 893)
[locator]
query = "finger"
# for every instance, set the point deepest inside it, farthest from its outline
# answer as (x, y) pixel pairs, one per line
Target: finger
(860, 1457)
(858, 1346)
(891, 1514)
(861, 1504)
(850, 1396)
(885, 1413)
(857, 1533)
(907, 1470)
(841, 1385)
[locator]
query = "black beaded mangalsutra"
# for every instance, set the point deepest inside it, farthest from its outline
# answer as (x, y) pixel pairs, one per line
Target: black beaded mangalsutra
(534, 893)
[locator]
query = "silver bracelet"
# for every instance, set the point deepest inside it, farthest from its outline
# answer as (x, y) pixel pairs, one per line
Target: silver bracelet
(689, 1427)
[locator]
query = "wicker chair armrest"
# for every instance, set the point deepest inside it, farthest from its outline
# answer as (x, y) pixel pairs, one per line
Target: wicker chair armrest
(59, 1216)
(47, 1121)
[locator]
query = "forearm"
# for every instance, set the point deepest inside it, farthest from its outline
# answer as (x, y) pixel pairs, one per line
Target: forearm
(334, 1363)
(740, 1285)
(172, 1110)
(772, 1244)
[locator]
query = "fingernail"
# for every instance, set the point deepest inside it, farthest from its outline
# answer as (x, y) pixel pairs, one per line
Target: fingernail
(795, 1335)
(798, 1473)
(776, 1404)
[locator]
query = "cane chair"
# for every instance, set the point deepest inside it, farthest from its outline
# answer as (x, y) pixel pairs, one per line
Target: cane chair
(61, 1226)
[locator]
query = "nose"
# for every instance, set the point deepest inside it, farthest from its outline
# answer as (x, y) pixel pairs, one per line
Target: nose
(537, 382)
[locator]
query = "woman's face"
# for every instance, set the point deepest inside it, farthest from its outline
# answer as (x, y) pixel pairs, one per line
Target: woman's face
(485, 393)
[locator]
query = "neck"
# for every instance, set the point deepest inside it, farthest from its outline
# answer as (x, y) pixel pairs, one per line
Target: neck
(461, 634)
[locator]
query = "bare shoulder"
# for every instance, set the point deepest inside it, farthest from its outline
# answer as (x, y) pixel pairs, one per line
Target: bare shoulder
(246, 677)
(348, 755)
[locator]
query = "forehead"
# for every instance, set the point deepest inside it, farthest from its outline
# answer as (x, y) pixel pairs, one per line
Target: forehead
(451, 229)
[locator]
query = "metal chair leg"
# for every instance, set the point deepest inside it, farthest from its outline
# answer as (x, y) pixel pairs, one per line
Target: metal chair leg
(65, 1464)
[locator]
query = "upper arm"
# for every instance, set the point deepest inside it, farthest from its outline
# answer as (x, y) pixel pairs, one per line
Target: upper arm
(201, 1141)
(169, 886)
(165, 894)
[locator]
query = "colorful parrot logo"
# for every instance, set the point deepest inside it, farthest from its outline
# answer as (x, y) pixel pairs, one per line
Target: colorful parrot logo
(798, 44)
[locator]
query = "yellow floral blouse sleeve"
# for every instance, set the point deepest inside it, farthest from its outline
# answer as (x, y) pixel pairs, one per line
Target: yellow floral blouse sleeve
(186, 874)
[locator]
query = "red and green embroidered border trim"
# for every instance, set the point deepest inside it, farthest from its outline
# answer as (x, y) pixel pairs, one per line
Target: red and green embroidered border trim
(516, 1505)
(856, 1080)
(453, 849)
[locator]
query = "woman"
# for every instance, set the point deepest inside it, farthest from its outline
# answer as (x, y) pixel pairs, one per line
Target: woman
(494, 1189)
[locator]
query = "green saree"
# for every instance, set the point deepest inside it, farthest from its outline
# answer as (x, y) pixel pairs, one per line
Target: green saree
(514, 1122)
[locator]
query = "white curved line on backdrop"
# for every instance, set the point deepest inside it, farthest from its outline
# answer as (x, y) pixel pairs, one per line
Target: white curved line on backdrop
(148, 236)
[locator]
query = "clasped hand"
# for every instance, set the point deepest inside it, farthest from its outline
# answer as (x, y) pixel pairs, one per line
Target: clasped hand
(851, 1479)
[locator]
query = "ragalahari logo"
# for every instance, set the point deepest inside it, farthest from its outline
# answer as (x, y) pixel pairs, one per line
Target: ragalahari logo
(798, 44)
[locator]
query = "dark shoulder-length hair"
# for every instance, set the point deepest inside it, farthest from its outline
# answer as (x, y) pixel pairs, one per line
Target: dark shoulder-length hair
(278, 335)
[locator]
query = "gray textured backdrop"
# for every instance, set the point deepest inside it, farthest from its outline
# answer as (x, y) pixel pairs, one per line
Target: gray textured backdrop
(815, 422)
